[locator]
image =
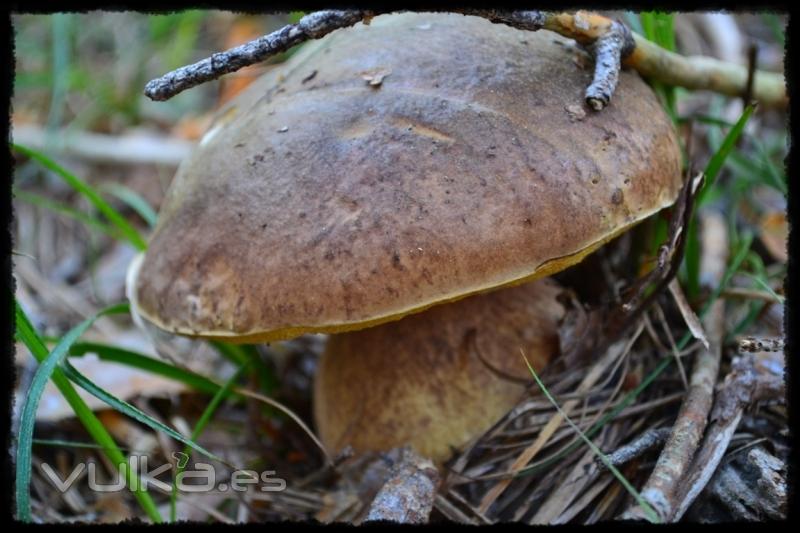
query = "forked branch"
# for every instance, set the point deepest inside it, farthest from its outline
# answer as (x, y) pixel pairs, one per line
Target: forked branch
(610, 42)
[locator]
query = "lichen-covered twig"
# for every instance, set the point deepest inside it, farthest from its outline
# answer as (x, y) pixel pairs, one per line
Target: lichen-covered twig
(661, 488)
(760, 344)
(647, 440)
(312, 26)
(606, 39)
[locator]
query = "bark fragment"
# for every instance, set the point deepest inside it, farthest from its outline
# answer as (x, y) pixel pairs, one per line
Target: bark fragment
(408, 495)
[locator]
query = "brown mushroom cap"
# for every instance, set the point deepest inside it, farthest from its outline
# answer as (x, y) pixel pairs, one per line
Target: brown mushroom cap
(320, 203)
(437, 379)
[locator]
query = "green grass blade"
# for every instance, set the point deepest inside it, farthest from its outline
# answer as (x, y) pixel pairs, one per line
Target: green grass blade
(60, 443)
(134, 200)
(136, 360)
(717, 161)
(691, 260)
(27, 334)
(205, 418)
(658, 27)
(715, 164)
(764, 285)
(129, 410)
(648, 510)
(705, 119)
(234, 353)
(61, 26)
(68, 211)
(80, 186)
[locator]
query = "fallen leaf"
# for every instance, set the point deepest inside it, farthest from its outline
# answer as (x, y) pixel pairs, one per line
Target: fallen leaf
(193, 127)
(244, 29)
(774, 233)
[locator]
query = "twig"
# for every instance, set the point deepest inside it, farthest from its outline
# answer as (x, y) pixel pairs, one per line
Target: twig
(407, 496)
(761, 344)
(704, 73)
(312, 26)
(746, 384)
(752, 58)
(670, 255)
(647, 440)
(663, 484)
(607, 40)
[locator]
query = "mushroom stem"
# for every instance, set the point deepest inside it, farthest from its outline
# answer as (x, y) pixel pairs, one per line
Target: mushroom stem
(438, 379)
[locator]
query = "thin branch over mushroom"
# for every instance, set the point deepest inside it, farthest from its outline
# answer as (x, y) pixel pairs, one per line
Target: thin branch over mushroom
(610, 42)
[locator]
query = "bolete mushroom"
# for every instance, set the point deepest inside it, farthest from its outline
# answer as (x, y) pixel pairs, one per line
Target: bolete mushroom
(389, 168)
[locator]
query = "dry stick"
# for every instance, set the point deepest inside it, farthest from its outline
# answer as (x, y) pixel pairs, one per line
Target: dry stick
(312, 26)
(625, 454)
(752, 57)
(761, 344)
(675, 458)
(744, 385)
(704, 73)
(606, 39)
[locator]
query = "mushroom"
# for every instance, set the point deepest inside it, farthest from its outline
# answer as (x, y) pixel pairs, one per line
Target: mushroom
(320, 202)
